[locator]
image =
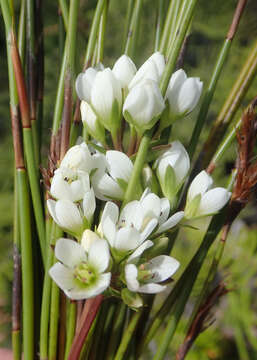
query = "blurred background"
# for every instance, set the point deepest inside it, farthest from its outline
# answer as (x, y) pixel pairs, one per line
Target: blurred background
(234, 332)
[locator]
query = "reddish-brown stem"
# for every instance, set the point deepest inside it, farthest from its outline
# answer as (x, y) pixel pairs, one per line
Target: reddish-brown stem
(20, 82)
(17, 139)
(237, 15)
(85, 327)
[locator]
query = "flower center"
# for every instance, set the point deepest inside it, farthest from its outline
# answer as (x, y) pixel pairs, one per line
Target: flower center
(144, 274)
(84, 273)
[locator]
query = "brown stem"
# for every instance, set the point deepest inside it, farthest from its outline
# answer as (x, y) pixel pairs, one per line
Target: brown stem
(20, 82)
(17, 139)
(83, 331)
(237, 15)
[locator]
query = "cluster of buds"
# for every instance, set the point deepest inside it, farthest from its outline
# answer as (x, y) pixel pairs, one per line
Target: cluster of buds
(113, 253)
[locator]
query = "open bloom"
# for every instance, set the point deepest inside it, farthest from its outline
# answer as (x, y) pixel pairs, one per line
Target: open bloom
(145, 277)
(124, 69)
(201, 201)
(152, 69)
(143, 105)
(69, 185)
(183, 94)
(71, 217)
(112, 175)
(172, 168)
(80, 273)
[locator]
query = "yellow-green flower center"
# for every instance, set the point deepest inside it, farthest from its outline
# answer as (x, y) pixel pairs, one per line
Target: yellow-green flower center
(84, 273)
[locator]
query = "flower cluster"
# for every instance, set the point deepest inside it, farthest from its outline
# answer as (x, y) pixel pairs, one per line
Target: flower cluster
(116, 252)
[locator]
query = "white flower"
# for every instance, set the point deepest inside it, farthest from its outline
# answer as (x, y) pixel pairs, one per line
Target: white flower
(183, 94)
(143, 105)
(81, 274)
(124, 69)
(78, 157)
(70, 216)
(136, 222)
(152, 69)
(84, 83)
(145, 277)
(106, 99)
(172, 168)
(69, 185)
(201, 201)
(112, 176)
(91, 122)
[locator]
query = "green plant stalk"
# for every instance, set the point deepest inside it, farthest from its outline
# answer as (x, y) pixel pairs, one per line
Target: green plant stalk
(107, 328)
(132, 34)
(116, 330)
(22, 30)
(27, 265)
(127, 336)
(183, 287)
(185, 22)
(93, 33)
(101, 34)
(231, 105)
(138, 166)
(159, 24)
(71, 327)
(131, 4)
(65, 12)
(167, 26)
(214, 78)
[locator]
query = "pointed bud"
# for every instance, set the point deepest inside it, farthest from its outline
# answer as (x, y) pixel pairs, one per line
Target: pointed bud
(91, 123)
(124, 69)
(84, 83)
(78, 157)
(143, 106)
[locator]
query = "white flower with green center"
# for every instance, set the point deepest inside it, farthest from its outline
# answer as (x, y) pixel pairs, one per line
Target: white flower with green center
(172, 168)
(112, 175)
(146, 277)
(81, 274)
(70, 185)
(204, 202)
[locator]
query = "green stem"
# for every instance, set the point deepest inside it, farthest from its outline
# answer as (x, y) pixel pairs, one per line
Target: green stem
(116, 330)
(93, 32)
(71, 327)
(187, 16)
(159, 24)
(131, 4)
(127, 336)
(22, 30)
(138, 166)
(132, 34)
(101, 34)
(65, 12)
(27, 265)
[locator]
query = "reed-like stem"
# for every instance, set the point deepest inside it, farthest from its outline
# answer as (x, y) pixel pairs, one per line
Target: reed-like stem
(22, 30)
(130, 6)
(116, 331)
(159, 23)
(65, 12)
(101, 34)
(132, 34)
(71, 327)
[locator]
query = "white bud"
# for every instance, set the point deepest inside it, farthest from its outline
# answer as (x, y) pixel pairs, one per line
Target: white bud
(90, 121)
(84, 83)
(124, 69)
(143, 105)
(78, 157)
(183, 94)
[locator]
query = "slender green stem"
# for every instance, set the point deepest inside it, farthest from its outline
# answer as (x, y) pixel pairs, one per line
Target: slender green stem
(27, 265)
(214, 78)
(127, 336)
(187, 16)
(116, 330)
(101, 34)
(130, 6)
(65, 12)
(132, 34)
(138, 166)
(71, 327)
(93, 32)
(159, 23)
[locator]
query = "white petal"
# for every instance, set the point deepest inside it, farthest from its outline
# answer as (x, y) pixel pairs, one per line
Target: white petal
(51, 208)
(85, 293)
(84, 83)
(60, 189)
(213, 201)
(148, 70)
(62, 276)
(109, 230)
(106, 187)
(162, 267)
(159, 61)
(88, 115)
(189, 95)
(68, 215)
(69, 252)
(165, 210)
(176, 81)
(78, 158)
(151, 288)
(171, 222)
(127, 239)
(131, 277)
(89, 204)
(139, 251)
(88, 238)
(201, 183)
(99, 255)
(151, 205)
(131, 214)
(148, 229)
(120, 165)
(111, 210)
